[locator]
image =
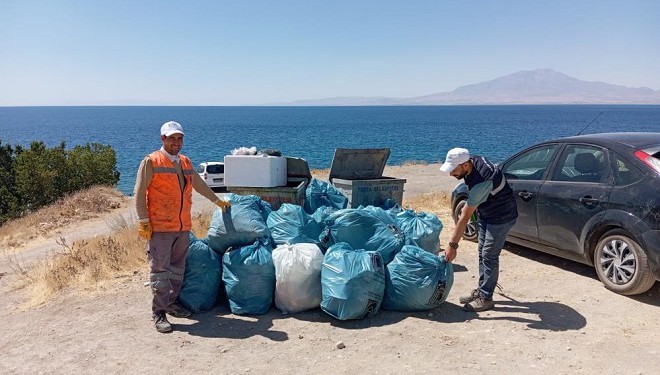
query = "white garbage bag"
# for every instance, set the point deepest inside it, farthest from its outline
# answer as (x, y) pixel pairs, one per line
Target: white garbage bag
(297, 277)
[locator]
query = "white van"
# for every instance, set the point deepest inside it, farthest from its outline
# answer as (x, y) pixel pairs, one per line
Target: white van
(213, 173)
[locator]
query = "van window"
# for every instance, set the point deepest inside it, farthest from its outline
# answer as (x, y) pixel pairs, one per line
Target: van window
(200, 168)
(215, 168)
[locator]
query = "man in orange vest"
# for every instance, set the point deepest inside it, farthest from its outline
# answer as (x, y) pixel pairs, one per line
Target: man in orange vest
(163, 199)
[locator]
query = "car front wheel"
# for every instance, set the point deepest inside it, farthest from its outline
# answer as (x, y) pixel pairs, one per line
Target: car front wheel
(470, 232)
(621, 264)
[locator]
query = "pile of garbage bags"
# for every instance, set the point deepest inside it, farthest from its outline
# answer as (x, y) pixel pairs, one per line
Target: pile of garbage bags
(349, 262)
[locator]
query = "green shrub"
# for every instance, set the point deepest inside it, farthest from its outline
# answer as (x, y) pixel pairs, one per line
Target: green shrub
(37, 176)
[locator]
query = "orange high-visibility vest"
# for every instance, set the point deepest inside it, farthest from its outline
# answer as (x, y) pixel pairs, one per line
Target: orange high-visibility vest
(168, 205)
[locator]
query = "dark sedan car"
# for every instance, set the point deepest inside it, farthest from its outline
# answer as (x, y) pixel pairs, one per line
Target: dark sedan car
(594, 199)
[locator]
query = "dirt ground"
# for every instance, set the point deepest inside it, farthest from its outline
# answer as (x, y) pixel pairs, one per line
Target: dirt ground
(551, 316)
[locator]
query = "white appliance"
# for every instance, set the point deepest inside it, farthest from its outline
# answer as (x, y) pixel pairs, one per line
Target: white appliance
(255, 171)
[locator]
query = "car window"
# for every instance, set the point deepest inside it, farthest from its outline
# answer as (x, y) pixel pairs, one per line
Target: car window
(580, 163)
(215, 168)
(200, 168)
(530, 165)
(624, 172)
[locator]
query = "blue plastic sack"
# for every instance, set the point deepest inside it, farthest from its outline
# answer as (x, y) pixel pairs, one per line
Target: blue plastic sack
(390, 204)
(249, 276)
(362, 230)
(380, 213)
(290, 225)
(422, 228)
(320, 193)
(201, 280)
(352, 282)
(417, 280)
(321, 214)
(242, 223)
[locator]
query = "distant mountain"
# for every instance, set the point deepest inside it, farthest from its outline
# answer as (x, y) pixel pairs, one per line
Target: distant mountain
(541, 86)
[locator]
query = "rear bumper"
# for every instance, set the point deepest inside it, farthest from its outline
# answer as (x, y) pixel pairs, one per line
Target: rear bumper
(210, 183)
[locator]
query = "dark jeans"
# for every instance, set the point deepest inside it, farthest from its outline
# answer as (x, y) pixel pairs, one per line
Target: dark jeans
(167, 262)
(491, 241)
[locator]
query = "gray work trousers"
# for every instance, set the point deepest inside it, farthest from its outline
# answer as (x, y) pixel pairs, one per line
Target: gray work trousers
(167, 263)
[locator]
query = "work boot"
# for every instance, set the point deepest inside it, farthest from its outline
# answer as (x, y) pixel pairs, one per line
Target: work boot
(470, 297)
(480, 303)
(161, 323)
(178, 311)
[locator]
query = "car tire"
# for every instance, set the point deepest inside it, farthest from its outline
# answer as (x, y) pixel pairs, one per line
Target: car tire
(621, 264)
(470, 233)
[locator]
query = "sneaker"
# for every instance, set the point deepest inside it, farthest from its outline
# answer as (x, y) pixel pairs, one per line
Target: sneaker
(161, 323)
(469, 298)
(479, 304)
(178, 311)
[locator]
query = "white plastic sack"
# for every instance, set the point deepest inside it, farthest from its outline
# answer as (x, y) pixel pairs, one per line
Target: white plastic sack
(297, 277)
(244, 151)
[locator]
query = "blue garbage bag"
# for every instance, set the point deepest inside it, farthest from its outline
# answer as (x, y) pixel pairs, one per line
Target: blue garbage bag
(383, 215)
(240, 225)
(362, 230)
(390, 204)
(422, 228)
(201, 280)
(290, 225)
(321, 214)
(417, 280)
(249, 276)
(352, 282)
(320, 193)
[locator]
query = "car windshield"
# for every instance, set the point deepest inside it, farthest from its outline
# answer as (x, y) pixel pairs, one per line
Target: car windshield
(215, 168)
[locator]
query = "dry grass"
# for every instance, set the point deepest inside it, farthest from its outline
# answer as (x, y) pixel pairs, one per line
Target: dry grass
(90, 264)
(437, 202)
(320, 172)
(83, 205)
(201, 222)
(84, 264)
(408, 163)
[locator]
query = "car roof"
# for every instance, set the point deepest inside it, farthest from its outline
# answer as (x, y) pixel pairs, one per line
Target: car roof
(212, 162)
(630, 139)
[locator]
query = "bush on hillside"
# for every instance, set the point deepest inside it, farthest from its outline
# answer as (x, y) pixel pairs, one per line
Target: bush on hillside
(37, 176)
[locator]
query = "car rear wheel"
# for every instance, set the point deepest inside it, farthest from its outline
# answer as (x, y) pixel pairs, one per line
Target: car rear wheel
(470, 232)
(621, 264)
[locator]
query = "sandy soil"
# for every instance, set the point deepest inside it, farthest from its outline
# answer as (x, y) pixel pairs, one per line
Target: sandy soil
(552, 316)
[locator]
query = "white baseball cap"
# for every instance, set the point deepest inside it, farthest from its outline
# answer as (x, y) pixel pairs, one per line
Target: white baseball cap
(455, 157)
(171, 127)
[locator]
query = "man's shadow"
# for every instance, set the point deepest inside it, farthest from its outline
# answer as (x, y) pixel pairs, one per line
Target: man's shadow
(550, 316)
(216, 323)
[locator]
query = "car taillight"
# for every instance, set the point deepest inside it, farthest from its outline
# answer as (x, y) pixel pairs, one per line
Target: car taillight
(205, 175)
(648, 160)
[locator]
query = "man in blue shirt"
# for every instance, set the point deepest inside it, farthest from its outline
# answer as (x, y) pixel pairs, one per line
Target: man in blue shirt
(492, 198)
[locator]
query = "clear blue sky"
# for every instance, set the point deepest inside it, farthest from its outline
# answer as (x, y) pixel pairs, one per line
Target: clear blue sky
(117, 52)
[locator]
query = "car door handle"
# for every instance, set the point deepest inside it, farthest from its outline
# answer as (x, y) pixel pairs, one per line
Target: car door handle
(525, 195)
(589, 201)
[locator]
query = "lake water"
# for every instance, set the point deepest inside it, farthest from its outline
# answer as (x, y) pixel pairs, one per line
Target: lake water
(313, 133)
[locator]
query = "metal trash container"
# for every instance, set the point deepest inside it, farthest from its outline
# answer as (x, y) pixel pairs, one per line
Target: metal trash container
(298, 177)
(358, 174)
